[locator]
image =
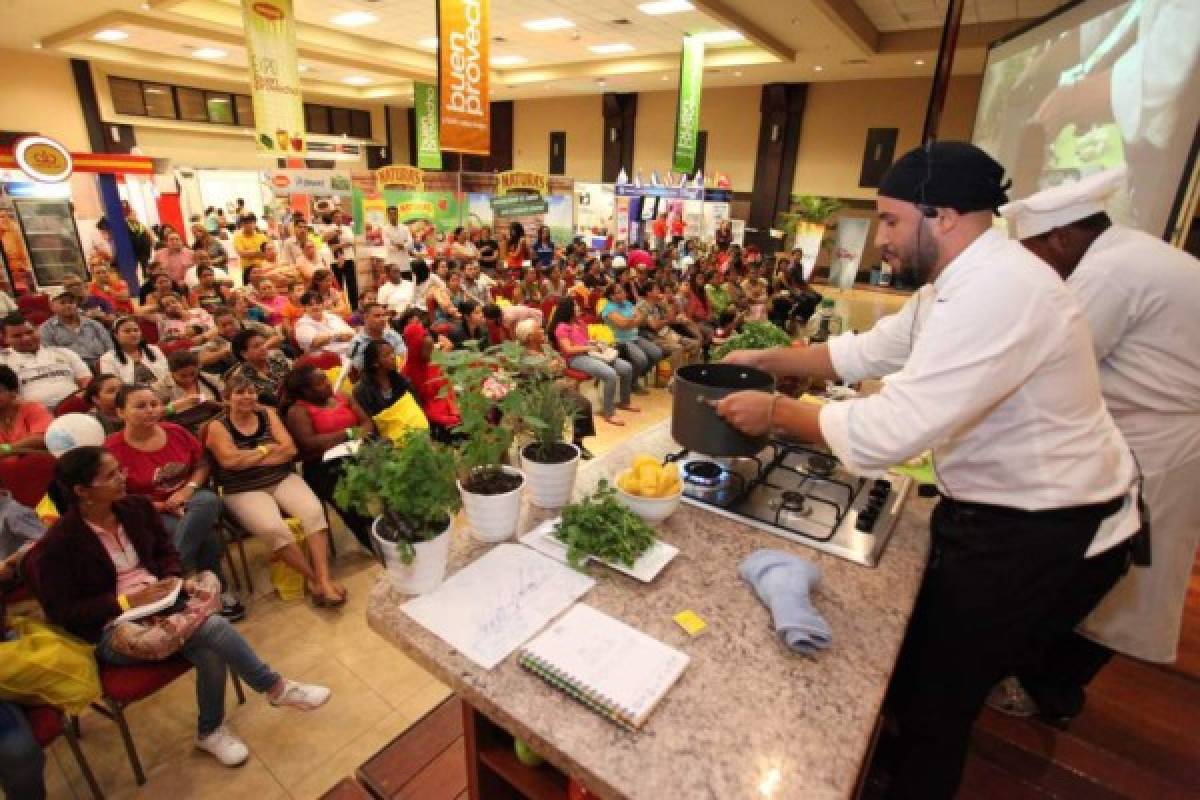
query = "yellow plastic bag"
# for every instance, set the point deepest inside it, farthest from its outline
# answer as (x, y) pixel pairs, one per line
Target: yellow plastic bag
(601, 333)
(401, 417)
(47, 512)
(503, 302)
(333, 373)
(288, 583)
(45, 665)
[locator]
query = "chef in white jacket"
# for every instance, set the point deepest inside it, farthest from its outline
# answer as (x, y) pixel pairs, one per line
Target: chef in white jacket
(990, 366)
(1141, 298)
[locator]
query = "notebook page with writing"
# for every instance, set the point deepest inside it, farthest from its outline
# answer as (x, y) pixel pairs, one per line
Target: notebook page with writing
(617, 670)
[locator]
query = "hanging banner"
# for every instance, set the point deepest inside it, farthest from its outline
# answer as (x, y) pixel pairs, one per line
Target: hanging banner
(522, 181)
(464, 113)
(519, 205)
(687, 113)
(425, 104)
(274, 77)
(399, 176)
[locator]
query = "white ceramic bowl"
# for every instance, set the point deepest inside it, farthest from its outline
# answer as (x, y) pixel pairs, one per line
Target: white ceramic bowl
(651, 509)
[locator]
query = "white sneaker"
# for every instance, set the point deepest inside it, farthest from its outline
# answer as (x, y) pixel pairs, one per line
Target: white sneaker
(303, 696)
(225, 746)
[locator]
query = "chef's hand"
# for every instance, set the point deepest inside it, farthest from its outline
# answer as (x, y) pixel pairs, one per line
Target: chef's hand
(747, 411)
(745, 358)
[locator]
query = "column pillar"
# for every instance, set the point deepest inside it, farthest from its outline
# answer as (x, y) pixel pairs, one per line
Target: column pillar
(782, 113)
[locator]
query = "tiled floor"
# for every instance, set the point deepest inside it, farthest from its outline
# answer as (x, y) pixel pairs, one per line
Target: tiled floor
(377, 693)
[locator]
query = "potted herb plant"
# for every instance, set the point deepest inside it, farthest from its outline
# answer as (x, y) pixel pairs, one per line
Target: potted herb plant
(550, 462)
(807, 219)
(410, 488)
(490, 489)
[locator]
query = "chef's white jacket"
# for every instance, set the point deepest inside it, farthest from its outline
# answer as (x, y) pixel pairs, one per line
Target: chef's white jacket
(991, 367)
(398, 243)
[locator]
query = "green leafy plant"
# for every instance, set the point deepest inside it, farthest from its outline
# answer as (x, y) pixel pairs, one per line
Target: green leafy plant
(410, 484)
(544, 412)
(808, 208)
(755, 335)
(598, 525)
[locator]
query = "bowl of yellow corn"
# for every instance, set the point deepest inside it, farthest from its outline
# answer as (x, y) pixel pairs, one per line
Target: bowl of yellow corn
(650, 489)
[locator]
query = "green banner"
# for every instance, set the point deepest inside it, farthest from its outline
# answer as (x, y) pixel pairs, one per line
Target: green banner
(425, 103)
(518, 205)
(687, 113)
(274, 77)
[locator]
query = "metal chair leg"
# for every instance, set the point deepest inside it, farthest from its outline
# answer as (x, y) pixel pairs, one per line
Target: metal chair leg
(237, 689)
(233, 575)
(71, 732)
(118, 716)
(241, 547)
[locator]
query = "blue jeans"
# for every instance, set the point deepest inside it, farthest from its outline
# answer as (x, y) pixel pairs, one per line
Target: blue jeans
(643, 355)
(213, 647)
(196, 536)
(22, 761)
(609, 376)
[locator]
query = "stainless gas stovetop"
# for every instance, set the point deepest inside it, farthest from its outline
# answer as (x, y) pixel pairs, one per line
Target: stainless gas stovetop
(801, 494)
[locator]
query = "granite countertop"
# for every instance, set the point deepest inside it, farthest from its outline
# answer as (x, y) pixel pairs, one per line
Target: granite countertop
(748, 718)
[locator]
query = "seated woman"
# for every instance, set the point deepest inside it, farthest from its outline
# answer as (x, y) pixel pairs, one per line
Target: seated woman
(271, 301)
(253, 453)
(109, 552)
(192, 397)
(427, 382)
(625, 321)
(320, 330)
(257, 363)
(571, 336)
(530, 334)
(110, 288)
(101, 393)
(498, 331)
(445, 310)
(207, 294)
(22, 424)
(318, 420)
(131, 359)
(530, 291)
(332, 298)
(166, 464)
(471, 327)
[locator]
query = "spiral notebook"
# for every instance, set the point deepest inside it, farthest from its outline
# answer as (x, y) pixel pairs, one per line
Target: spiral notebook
(613, 669)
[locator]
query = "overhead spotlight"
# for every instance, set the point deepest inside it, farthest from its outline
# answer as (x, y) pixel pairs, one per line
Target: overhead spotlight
(209, 53)
(356, 80)
(353, 19)
(920, 62)
(110, 35)
(548, 24)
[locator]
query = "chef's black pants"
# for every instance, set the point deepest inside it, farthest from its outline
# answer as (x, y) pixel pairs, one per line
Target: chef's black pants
(1002, 586)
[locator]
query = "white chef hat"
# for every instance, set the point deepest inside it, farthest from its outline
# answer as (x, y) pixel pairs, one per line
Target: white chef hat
(1061, 205)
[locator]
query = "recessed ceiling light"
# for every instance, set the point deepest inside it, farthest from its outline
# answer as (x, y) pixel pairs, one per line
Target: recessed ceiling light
(665, 7)
(508, 61)
(600, 81)
(818, 68)
(356, 80)
(37, 45)
(608, 49)
(303, 67)
(920, 62)
(548, 24)
(110, 35)
(354, 19)
(429, 42)
(738, 74)
(210, 53)
(720, 37)
(665, 78)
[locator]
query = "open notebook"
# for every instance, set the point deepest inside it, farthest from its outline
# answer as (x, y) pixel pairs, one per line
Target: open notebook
(614, 669)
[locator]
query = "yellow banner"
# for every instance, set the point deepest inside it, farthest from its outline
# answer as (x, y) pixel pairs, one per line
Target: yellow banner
(464, 110)
(400, 177)
(532, 181)
(274, 77)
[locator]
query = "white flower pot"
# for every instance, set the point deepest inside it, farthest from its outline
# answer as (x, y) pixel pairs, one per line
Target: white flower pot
(428, 567)
(550, 485)
(493, 517)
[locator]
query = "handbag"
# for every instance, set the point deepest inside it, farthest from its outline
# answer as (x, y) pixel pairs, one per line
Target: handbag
(606, 354)
(160, 636)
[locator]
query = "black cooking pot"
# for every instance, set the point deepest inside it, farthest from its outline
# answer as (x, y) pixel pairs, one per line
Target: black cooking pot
(694, 420)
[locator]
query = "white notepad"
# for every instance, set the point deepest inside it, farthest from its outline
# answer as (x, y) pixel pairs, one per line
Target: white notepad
(617, 671)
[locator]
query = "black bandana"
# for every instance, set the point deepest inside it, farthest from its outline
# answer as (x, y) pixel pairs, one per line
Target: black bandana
(954, 175)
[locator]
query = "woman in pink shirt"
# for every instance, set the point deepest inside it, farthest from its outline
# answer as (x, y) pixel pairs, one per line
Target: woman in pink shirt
(571, 336)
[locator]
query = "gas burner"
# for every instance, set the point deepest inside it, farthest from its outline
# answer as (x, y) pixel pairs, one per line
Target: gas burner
(704, 473)
(821, 466)
(794, 502)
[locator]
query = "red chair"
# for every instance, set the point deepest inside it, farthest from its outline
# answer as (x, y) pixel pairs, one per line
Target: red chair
(548, 306)
(182, 343)
(73, 404)
(322, 359)
(35, 308)
(27, 477)
(47, 724)
(149, 330)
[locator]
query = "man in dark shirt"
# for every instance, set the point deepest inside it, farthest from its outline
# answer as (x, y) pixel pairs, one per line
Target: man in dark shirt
(471, 327)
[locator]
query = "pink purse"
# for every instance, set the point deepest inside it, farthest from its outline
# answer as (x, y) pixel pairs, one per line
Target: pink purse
(159, 637)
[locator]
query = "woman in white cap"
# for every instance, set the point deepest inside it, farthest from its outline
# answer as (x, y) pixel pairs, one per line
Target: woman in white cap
(1140, 296)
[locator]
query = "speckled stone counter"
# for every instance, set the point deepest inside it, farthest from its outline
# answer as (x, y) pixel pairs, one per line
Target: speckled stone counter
(748, 718)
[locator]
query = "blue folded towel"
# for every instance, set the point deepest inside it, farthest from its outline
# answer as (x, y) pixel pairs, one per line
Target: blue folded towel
(783, 582)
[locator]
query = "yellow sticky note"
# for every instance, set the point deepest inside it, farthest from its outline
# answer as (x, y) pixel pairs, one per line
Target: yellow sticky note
(690, 621)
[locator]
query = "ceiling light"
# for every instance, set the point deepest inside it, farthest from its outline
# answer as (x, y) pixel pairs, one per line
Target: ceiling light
(211, 53)
(429, 42)
(145, 6)
(920, 62)
(738, 74)
(356, 80)
(665, 7)
(600, 81)
(303, 67)
(666, 77)
(720, 37)
(37, 45)
(354, 19)
(508, 61)
(818, 68)
(110, 35)
(548, 24)
(609, 49)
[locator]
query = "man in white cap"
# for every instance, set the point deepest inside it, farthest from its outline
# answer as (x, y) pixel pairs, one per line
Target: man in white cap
(1141, 297)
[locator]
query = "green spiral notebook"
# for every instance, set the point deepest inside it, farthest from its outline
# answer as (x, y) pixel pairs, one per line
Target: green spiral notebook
(613, 669)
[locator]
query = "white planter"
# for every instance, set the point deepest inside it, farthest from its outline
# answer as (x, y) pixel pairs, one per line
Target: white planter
(550, 485)
(428, 567)
(493, 517)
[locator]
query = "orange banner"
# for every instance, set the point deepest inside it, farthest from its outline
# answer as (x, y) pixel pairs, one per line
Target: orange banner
(465, 113)
(96, 162)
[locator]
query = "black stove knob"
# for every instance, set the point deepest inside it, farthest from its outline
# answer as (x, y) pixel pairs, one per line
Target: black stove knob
(866, 520)
(927, 490)
(882, 483)
(879, 493)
